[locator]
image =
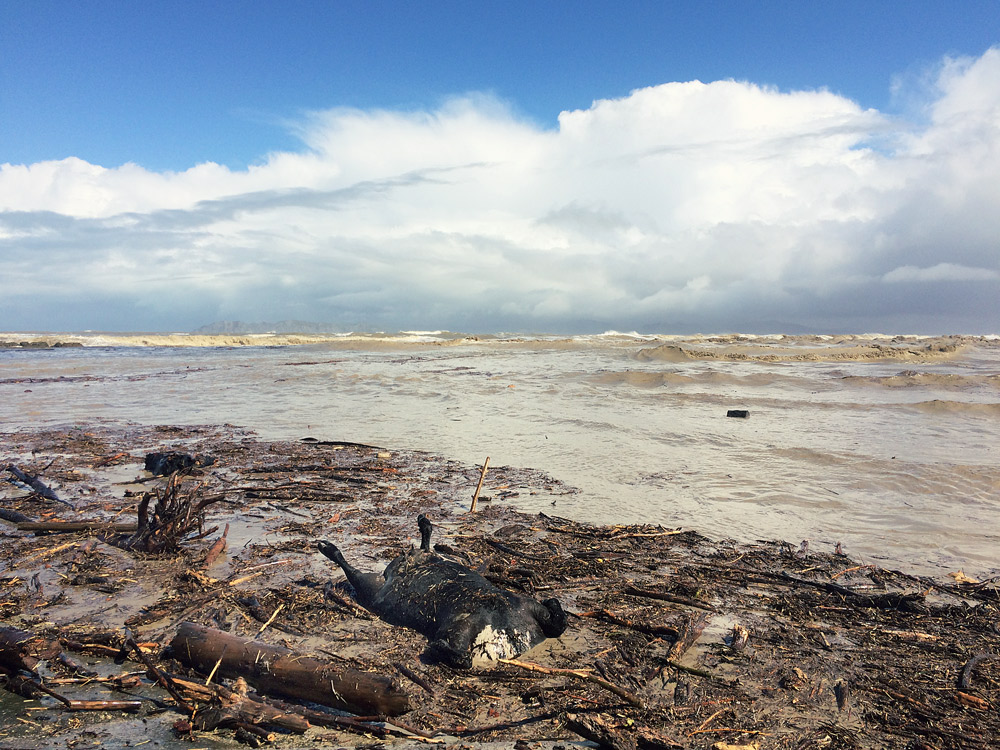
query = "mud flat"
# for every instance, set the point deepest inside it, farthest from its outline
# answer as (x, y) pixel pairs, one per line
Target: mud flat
(674, 641)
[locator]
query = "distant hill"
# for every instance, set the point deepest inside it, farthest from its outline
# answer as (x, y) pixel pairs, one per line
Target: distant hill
(282, 326)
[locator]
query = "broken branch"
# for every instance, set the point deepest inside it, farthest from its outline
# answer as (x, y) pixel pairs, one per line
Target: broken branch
(579, 674)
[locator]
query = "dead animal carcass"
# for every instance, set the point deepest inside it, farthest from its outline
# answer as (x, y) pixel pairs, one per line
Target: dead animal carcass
(466, 618)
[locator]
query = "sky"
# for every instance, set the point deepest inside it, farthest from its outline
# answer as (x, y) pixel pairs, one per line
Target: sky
(560, 167)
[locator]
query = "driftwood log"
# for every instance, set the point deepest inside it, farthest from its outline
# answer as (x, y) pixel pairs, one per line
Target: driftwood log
(20, 649)
(231, 708)
(37, 485)
(70, 527)
(277, 670)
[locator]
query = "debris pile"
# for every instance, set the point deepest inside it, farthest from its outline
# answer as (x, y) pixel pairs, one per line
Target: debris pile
(176, 516)
(674, 640)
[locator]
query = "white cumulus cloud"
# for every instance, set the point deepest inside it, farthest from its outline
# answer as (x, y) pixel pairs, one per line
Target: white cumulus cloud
(941, 272)
(722, 205)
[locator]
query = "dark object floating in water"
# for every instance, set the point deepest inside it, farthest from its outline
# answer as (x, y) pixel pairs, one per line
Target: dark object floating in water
(162, 464)
(465, 617)
(738, 413)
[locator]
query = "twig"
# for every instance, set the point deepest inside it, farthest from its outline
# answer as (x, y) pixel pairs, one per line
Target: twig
(415, 678)
(691, 670)
(709, 720)
(647, 534)
(217, 548)
(419, 734)
(911, 602)
(479, 487)
(516, 553)
(472, 731)
(244, 579)
(66, 527)
(216, 667)
(673, 598)
(580, 674)
(165, 682)
(106, 461)
(659, 630)
(44, 553)
(270, 619)
(692, 631)
(965, 678)
(79, 705)
(835, 576)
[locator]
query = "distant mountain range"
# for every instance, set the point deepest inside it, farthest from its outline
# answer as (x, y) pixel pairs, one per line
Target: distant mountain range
(282, 326)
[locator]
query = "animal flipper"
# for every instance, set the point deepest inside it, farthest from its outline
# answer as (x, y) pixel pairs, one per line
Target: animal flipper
(425, 526)
(441, 650)
(366, 585)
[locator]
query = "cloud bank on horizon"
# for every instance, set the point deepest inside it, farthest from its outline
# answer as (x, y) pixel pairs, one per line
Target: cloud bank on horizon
(722, 206)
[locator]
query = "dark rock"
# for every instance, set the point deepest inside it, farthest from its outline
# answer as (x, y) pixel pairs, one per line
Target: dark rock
(162, 464)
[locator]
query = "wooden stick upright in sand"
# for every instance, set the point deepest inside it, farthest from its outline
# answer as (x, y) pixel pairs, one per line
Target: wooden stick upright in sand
(479, 487)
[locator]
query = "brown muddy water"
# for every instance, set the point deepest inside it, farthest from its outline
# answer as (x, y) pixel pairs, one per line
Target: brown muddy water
(886, 444)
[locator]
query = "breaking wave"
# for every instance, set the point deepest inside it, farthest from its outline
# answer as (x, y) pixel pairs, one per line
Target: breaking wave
(940, 406)
(841, 351)
(914, 379)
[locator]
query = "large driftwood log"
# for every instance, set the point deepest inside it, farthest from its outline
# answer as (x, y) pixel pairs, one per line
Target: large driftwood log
(278, 670)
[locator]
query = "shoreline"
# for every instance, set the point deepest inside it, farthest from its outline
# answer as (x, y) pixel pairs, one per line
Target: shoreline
(667, 349)
(814, 620)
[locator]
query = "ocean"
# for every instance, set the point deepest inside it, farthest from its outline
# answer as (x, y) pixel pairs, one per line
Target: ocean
(886, 444)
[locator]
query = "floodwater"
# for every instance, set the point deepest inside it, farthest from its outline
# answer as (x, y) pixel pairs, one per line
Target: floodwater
(888, 445)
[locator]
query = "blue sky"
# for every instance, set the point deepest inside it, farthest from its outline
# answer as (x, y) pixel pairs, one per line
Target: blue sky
(170, 84)
(529, 166)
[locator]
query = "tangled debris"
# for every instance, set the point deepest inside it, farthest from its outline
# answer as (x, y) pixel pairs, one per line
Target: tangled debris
(674, 641)
(176, 515)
